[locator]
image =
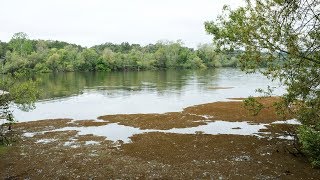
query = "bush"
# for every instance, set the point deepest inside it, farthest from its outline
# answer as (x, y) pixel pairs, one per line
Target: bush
(310, 141)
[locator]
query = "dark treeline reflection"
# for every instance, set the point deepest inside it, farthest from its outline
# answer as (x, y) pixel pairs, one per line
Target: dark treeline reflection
(58, 85)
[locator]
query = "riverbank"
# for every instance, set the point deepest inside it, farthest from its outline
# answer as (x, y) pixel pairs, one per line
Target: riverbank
(168, 146)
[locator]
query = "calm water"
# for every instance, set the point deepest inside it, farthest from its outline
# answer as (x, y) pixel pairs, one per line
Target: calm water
(89, 95)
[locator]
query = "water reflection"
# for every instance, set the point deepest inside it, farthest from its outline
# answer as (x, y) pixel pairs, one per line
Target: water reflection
(89, 95)
(69, 84)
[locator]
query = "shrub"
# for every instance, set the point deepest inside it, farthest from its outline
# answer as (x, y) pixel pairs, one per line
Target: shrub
(310, 141)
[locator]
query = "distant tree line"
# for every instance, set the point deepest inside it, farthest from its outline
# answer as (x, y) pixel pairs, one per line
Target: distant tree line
(22, 54)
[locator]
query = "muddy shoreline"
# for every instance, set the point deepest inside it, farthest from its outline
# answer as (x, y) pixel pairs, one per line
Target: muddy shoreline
(41, 151)
(233, 111)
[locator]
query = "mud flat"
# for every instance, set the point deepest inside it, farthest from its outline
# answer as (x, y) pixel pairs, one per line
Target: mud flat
(55, 149)
(199, 115)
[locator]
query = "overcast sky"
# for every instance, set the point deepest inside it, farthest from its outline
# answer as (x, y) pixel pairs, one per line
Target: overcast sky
(91, 22)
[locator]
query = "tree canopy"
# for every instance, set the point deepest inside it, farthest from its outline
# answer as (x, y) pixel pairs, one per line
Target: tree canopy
(283, 36)
(22, 54)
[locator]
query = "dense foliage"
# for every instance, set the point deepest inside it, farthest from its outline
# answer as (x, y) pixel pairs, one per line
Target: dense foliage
(22, 93)
(21, 54)
(273, 30)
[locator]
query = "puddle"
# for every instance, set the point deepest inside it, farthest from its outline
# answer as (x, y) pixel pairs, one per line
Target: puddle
(113, 132)
(286, 137)
(45, 141)
(116, 132)
(290, 121)
(71, 144)
(92, 143)
(2, 121)
(221, 127)
(29, 134)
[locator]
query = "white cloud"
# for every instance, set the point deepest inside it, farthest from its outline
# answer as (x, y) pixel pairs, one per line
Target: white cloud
(90, 22)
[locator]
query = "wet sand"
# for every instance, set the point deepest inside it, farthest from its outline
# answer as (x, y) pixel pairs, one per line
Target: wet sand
(156, 155)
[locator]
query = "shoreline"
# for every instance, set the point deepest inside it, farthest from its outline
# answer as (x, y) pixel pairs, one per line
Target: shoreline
(155, 154)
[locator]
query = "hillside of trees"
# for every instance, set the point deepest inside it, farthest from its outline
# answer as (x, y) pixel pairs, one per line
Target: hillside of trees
(22, 54)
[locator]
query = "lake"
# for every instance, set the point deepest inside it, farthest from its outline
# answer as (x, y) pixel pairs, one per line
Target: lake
(89, 95)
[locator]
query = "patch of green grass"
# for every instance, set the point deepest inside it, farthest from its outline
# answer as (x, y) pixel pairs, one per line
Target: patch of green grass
(3, 149)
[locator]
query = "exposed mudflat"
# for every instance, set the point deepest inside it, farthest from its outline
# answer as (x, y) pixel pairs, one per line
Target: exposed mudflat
(199, 115)
(235, 111)
(157, 121)
(48, 150)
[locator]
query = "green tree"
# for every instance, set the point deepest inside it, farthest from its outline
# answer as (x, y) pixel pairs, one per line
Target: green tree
(14, 62)
(172, 53)
(41, 46)
(24, 55)
(90, 58)
(108, 59)
(20, 44)
(207, 53)
(161, 59)
(3, 49)
(53, 61)
(14, 90)
(284, 36)
(194, 62)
